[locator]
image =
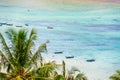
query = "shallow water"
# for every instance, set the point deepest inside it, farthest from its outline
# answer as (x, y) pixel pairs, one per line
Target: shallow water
(84, 34)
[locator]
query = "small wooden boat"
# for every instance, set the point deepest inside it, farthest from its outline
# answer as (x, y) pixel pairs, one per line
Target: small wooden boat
(60, 52)
(18, 26)
(26, 25)
(49, 27)
(68, 57)
(90, 60)
(3, 23)
(9, 24)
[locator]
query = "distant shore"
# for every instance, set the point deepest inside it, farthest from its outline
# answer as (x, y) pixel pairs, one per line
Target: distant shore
(60, 4)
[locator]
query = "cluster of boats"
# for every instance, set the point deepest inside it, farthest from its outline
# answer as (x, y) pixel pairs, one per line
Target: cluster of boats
(67, 57)
(71, 56)
(59, 52)
(10, 24)
(7, 24)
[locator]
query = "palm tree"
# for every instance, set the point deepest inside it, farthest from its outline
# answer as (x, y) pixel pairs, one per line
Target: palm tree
(115, 76)
(47, 70)
(73, 74)
(21, 62)
(19, 59)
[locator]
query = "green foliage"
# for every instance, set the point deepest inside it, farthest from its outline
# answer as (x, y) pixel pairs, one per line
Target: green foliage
(21, 62)
(64, 70)
(81, 76)
(73, 74)
(2, 76)
(59, 77)
(46, 70)
(17, 56)
(115, 76)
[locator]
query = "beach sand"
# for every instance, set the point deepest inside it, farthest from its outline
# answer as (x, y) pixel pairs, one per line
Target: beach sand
(93, 70)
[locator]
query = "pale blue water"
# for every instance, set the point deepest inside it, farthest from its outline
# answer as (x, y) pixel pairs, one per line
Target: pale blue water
(85, 34)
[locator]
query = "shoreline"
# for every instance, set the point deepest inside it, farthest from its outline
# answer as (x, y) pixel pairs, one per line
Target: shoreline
(93, 70)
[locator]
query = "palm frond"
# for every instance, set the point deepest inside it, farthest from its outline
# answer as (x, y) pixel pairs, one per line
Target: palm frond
(118, 72)
(5, 47)
(37, 54)
(115, 76)
(73, 70)
(20, 47)
(64, 69)
(29, 44)
(40, 78)
(3, 76)
(59, 77)
(11, 34)
(9, 61)
(51, 65)
(46, 70)
(33, 35)
(81, 76)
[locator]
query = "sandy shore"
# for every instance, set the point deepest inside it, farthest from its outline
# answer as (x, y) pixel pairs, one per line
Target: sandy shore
(93, 70)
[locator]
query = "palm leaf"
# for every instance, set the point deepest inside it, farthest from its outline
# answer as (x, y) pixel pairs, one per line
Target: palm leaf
(4, 57)
(64, 70)
(47, 69)
(3, 76)
(40, 78)
(29, 44)
(11, 35)
(59, 77)
(37, 54)
(115, 76)
(73, 70)
(5, 47)
(118, 72)
(80, 76)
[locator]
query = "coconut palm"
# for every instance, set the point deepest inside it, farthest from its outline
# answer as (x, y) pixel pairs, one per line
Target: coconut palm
(19, 59)
(47, 70)
(115, 76)
(22, 62)
(73, 74)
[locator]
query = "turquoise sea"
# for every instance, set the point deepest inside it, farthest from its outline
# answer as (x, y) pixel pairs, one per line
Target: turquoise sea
(85, 33)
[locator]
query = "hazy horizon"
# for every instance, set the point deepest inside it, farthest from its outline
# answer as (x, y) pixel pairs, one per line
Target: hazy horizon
(61, 4)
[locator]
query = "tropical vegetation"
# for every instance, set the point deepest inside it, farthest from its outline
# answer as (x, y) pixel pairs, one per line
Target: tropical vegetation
(20, 60)
(115, 76)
